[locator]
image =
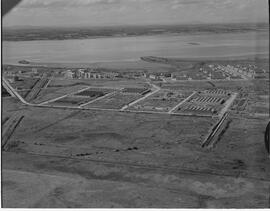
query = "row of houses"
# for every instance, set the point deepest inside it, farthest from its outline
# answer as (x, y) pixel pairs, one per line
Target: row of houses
(177, 76)
(243, 72)
(88, 74)
(97, 74)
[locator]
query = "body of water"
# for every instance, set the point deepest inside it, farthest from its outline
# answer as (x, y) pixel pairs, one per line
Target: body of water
(132, 48)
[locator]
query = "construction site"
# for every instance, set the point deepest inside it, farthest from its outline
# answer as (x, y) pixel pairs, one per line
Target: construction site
(134, 143)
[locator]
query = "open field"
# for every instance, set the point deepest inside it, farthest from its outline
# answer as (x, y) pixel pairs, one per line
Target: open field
(121, 83)
(52, 93)
(94, 93)
(23, 93)
(70, 101)
(115, 101)
(114, 129)
(97, 150)
(121, 186)
(24, 83)
(11, 105)
(81, 96)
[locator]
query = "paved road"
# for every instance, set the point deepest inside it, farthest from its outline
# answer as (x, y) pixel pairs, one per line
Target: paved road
(13, 92)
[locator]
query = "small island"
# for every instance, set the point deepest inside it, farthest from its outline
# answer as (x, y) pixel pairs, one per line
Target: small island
(193, 43)
(23, 62)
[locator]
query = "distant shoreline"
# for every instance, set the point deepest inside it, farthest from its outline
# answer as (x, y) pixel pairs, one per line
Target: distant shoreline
(130, 36)
(176, 59)
(34, 34)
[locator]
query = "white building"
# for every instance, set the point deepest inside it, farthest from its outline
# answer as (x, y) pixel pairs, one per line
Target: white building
(69, 74)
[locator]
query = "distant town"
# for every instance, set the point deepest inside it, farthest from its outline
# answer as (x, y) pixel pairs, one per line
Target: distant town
(201, 71)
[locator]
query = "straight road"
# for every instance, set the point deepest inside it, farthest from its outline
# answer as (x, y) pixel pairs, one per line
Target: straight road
(140, 99)
(99, 98)
(58, 98)
(144, 97)
(182, 102)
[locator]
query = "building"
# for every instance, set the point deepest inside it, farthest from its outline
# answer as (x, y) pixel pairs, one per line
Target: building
(34, 70)
(69, 74)
(167, 75)
(152, 76)
(89, 74)
(80, 73)
(178, 76)
(145, 75)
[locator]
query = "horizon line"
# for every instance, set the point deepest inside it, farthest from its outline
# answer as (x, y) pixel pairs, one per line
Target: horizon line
(130, 25)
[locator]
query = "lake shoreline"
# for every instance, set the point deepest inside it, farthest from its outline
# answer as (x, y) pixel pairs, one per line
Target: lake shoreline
(136, 61)
(126, 49)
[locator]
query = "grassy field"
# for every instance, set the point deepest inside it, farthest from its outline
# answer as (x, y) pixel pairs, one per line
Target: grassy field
(105, 155)
(51, 93)
(58, 83)
(24, 83)
(118, 186)
(115, 101)
(71, 101)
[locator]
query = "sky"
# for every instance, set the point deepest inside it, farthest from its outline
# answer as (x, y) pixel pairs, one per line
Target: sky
(134, 12)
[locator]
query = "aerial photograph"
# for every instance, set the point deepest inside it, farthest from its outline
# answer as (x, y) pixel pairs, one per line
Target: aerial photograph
(135, 104)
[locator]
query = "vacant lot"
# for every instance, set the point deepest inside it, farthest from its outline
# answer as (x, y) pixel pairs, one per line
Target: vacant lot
(112, 134)
(94, 92)
(24, 83)
(115, 101)
(70, 101)
(107, 155)
(99, 83)
(52, 93)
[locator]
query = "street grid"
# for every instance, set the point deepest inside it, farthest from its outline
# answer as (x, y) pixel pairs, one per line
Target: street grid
(174, 110)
